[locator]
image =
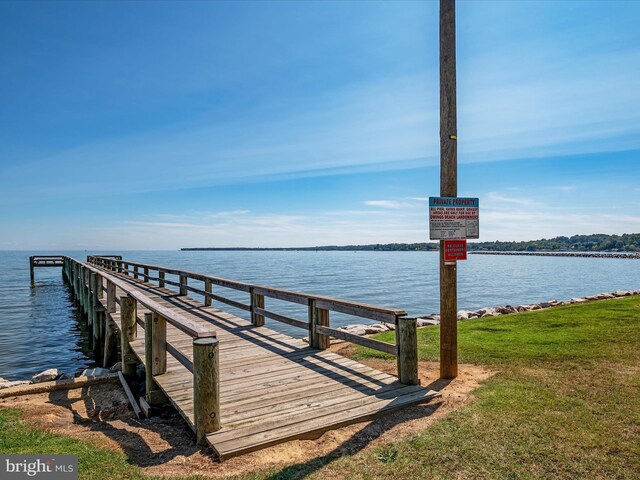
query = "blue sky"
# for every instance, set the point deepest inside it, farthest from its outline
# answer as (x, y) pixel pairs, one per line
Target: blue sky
(161, 125)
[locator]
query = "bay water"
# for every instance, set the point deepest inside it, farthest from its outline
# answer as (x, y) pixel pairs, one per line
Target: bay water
(39, 325)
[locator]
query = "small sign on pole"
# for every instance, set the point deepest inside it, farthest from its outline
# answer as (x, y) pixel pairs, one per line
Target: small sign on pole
(455, 250)
(453, 218)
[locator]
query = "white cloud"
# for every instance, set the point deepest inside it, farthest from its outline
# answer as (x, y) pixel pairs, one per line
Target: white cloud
(384, 203)
(496, 198)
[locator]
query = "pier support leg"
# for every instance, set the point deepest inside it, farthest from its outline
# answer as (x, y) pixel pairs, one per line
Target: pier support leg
(407, 342)
(110, 343)
(183, 285)
(155, 350)
(207, 288)
(31, 271)
(318, 316)
(206, 387)
(110, 338)
(257, 301)
(128, 313)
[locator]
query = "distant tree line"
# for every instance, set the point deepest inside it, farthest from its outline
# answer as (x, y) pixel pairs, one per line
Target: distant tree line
(629, 242)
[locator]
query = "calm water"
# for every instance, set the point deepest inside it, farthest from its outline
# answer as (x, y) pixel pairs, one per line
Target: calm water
(39, 329)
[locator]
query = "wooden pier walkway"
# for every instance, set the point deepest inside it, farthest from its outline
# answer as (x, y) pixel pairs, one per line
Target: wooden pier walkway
(240, 385)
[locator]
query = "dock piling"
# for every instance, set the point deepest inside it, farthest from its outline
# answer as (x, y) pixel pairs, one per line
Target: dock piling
(128, 312)
(206, 387)
(407, 342)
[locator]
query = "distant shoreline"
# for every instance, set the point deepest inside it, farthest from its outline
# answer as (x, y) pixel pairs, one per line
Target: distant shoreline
(471, 252)
(627, 244)
(564, 254)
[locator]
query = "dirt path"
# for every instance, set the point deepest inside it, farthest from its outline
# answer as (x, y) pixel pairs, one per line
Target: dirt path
(164, 445)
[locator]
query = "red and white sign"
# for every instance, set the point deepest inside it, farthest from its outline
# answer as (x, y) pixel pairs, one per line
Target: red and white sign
(455, 250)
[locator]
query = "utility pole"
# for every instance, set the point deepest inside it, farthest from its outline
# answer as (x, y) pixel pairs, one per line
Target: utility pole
(448, 186)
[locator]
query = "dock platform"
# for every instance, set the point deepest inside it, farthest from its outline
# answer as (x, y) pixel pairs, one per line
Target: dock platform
(252, 387)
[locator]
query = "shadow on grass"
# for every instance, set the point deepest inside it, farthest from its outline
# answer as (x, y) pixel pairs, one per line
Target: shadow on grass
(358, 441)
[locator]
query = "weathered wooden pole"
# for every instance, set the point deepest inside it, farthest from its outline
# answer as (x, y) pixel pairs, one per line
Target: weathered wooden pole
(183, 285)
(93, 311)
(257, 301)
(407, 343)
(448, 186)
(128, 313)
(31, 270)
(318, 316)
(207, 288)
(109, 330)
(150, 384)
(206, 387)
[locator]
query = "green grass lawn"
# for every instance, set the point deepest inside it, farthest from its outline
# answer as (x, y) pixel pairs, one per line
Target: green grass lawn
(93, 463)
(565, 404)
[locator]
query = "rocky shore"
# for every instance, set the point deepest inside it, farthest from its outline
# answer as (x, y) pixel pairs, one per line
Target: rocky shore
(434, 319)
(53, 374)
(562, 254)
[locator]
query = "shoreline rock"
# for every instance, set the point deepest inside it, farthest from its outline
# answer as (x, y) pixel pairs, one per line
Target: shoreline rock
(434, 318)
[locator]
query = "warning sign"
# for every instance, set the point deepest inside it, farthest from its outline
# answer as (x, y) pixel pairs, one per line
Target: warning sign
(455, 250)
(453, 218)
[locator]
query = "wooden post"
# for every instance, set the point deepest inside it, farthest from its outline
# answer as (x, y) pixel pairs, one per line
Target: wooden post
(85, 288)
(135, 272)
(150, 384)
(448, 186)
(183, 285)
(109, 330)
(80, 287)
(128, 313)
(100, 287)
(257, 301)
(318, 316)
(161, 277)
(76, 275)
(207, 288)
(407, 342)
(159, 344)
(111, 297)
(109, 347)
(99, 332)
(93, 308)
(31, 270)
(206, 387)
(146, 274)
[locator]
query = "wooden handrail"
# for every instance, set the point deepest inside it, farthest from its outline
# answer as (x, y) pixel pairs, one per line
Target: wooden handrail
(183, 324)
(363, 310)
(319, 307)
(88, 283)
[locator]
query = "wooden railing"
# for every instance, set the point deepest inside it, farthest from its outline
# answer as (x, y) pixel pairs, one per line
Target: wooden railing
(90, 284)
(44, 261)
(317, 322)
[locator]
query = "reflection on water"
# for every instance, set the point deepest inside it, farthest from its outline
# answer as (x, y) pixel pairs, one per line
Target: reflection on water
(39, 327)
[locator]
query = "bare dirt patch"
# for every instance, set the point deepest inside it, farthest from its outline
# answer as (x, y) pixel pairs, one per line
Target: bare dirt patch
(164, 445)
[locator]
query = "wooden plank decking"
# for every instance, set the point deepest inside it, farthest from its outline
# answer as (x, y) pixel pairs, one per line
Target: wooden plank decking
(273, 387)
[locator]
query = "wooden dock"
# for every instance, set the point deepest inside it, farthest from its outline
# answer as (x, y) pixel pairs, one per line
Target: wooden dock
(240, 385)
